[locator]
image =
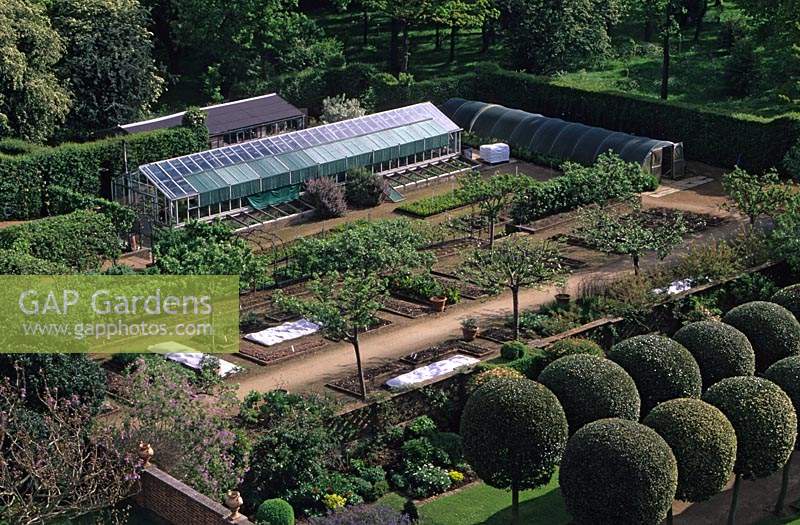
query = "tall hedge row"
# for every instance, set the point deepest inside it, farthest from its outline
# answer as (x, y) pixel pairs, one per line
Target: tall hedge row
(721, 139)
(25, 179)
(716, 138)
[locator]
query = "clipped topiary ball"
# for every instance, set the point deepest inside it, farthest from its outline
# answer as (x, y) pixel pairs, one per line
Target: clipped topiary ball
(661, 368)
(772, 330)
(514, 432)
(720, 350)
(764, 419)
(618, 471)
(703, 441)
(496, 372)
(591, 388)
(786, 374)
(574, 345)
(789, 298)
(275, 512)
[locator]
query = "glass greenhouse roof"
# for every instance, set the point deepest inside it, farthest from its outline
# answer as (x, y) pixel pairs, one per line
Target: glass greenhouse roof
(305, 149)
(546, 135)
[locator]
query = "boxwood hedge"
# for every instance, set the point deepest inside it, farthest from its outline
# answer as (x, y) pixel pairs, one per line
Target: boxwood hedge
(591, 388)
(275, 512)
(661, 368)
(618, 471)
(514, 432)
(720, 350)
(789, 298)
(703, 441)
(772, 330)
(764, 419)
(786, 374)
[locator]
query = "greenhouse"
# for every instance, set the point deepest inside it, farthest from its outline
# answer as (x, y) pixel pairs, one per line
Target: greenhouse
(553, 137)
(271, 171)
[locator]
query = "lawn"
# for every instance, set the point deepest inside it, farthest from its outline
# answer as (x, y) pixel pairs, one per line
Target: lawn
(697, 71)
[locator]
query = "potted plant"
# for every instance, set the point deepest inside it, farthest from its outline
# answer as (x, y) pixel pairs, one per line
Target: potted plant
(562, 297)
(438, 303)
(469, 328)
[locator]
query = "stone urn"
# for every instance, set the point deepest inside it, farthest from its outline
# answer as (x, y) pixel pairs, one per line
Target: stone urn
(145, 453)
(234, 501)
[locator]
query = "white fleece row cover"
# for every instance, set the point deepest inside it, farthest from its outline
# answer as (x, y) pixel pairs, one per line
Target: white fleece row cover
(431, 371)
(283, 332)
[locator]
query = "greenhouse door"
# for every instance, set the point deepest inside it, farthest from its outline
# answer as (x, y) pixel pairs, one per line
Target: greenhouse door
(667, 155)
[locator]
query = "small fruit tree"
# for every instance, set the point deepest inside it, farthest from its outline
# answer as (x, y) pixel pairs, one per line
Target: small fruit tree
(344, 308)
(765, 423)
(515, 263)
(492, 195)
(703, 441)
(661, 368)
(618, 471)
(514, 431)
(591, 388)
(628, 234)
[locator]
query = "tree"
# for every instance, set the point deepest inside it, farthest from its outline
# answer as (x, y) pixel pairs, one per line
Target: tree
(343, 309)
(754, 196)
(108, 61)
(629, 234)
(514, 432)
(33, 101)
(661, 368)
(461, 14)
(771, 329)
(704, 444)
(402, 15)
(720, 350)
(618, 471)
(202, 248)
(545, 37)
(339, 107)
(62, 376)
(56, 465)
(294, 447)
(187, 422)
(765, 423)
(786, 374)
(492, 195)
(515, 263)
(591, 388)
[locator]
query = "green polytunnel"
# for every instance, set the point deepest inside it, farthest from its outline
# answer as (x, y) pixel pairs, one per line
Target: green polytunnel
(561, 139)
(268, 164)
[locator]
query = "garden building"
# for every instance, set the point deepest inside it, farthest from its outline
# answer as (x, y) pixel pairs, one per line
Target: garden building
(236, 121)
(261, 179)
(562, 140)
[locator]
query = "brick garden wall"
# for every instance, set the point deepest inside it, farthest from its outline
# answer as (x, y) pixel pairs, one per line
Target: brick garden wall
(178, 503)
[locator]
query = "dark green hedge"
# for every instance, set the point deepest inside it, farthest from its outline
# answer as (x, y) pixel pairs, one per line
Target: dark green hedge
(63, 200)
(25, 179)
(14, 262)
(789, 298)
(513, 431)
(661, 368)
(764, 419)
(720, 350)
(80, 240)
(617, 471)
(704, 444)
(716, 138)
(591, 388)
(786, 374)
(772, 330)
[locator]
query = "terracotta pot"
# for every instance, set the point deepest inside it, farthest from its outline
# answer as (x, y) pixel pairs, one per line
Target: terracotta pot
(469, 334)
(438, 303)
(562, 299)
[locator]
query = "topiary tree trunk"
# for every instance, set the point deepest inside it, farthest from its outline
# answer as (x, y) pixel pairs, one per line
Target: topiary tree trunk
(781, 504)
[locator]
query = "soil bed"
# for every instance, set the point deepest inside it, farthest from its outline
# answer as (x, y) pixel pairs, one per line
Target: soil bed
(378, 323)
(455, 247)
(445, 349)
(404, 308)
(465, 288)
(372, 377)
(270, 355)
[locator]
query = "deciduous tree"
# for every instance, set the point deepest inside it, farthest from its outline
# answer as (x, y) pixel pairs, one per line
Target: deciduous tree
(515, 263)
(492, 195)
